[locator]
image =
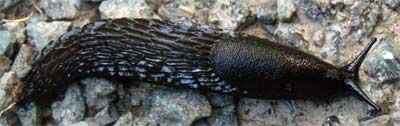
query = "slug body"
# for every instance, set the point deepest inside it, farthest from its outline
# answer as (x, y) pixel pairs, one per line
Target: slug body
(185, 56)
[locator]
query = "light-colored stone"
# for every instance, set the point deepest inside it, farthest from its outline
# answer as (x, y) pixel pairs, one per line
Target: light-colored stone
(7, 81)
(71, 109)
(383, 120)
(29, 117)
(97, 92)
(125, 8)
(7, 41)
(107, 116)
(61, 9)
(5, 64)
(228, 14)
(40, 33)
(174, 107)
(285, 9)
(347, 109)
(24, 60)
(125, 120)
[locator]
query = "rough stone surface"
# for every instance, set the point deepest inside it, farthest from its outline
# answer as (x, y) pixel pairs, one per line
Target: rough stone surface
(7, 41)
(125, 8)
(225, 116)
(71, 109)
(228, 14)
(61, 9)
(29, 117)
(285, 9)
(137, 96)
(11, 34)
(383, 63)
(95, 1)
(174, 107)
(396, 119)
(6, 82)
(348, 110)
(97, 92)
(183, 10)
(5, 64)
(85, 123)
(17, 29)
(7, 3)
(265, 10)
(218, 100)
(125, 120)
(23, 61)
(393, 4)
(383, 120)
(107, 116)
(40, 33)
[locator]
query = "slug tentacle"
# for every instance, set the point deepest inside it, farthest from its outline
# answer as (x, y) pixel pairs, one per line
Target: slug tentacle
(354, 66)
(353, 79)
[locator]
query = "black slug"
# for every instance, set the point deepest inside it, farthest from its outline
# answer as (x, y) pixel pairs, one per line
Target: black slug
(185, 56)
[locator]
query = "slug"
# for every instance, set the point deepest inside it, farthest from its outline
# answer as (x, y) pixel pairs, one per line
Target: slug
(183, 56)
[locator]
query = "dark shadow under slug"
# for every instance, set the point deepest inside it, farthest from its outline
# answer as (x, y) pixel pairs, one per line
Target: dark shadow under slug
(185, 57)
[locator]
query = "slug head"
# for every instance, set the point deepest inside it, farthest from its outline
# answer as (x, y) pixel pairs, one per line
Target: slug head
(351, 78)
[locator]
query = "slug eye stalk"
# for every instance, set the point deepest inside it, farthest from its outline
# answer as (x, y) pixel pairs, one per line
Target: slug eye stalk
(352, 81)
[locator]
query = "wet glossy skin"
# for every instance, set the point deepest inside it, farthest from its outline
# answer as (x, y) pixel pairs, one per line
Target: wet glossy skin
(183, 56)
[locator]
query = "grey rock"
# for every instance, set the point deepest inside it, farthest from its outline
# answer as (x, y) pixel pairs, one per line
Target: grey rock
(363, 26)
(107, 115)
(7, 41)
(322, 13)
(174, 107)
(219, 100)
(228, 14)
(331, 47)
(383, 120)
(85, 123)
(97, 92)
(7, 81)
(30, 117)
(125, 120)
(225, 116)
(95, 1)
(11, 34)
(396, 119)
(137, 96)
(24, 60)
(40, 33)
(125, 8)
(392, 3)
(348, 110)
(5, 64)
(61, 9)
(285, 35)
(184, 10)
(17, 29)
(383, 62)
(265, 10)
(285, 9)
(7, 3)
(71, 109)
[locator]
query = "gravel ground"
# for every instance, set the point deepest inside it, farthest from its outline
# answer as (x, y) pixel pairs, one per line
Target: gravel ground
(334, 30)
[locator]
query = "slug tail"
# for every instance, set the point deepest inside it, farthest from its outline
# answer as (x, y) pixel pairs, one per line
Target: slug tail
(352, 80)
